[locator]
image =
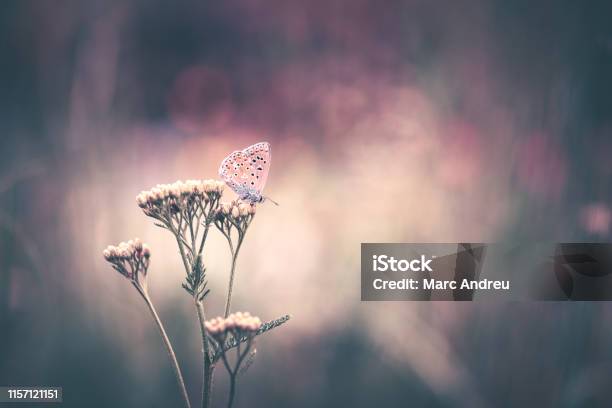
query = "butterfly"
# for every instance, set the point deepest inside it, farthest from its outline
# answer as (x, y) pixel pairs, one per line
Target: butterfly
(246, 171)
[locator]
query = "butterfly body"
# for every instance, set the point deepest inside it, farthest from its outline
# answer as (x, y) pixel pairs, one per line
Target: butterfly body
(246, 171)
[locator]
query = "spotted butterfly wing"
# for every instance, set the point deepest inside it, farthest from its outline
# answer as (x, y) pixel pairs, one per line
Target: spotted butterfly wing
(246, 171)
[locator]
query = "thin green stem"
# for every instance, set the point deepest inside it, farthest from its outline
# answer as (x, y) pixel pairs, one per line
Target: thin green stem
(179, 242)
(193, 236)
(232, 391)
(169, 349)
(209, 366)
(208, 384)
(208, 220)
(228, 302)
(183, 256)
(204, 235)
(233, 373)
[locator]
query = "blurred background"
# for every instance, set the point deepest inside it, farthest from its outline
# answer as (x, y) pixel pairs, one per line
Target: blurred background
(397, 121)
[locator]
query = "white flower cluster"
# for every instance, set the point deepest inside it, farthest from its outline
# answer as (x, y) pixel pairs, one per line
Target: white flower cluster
(236, 323)
(235, 214)
(133, 254)
(206, 189)
(127, 250)
(237, 209)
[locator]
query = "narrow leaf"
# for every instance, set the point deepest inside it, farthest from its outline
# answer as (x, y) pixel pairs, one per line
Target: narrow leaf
(233, 342)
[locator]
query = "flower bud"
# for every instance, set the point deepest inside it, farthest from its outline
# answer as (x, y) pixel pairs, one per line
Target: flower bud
(244, 210)
(107, 254)
(138, 245)
(141, 200)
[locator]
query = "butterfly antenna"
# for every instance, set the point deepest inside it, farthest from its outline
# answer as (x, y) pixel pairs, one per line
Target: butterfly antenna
(275, 203)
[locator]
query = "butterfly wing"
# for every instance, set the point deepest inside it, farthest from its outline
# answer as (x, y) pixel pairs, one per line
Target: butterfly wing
(233, 171)
(246, 171)
(259, 156)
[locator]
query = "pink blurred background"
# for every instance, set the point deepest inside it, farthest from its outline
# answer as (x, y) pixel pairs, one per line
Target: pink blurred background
(396, 122)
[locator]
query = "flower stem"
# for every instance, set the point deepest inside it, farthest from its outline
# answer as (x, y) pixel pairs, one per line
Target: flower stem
(209, 374)
(209, 367)
(232, 391)
(208, 370)
(228, 302)
(233, 373)
(186, 263)
(162, 331)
